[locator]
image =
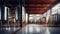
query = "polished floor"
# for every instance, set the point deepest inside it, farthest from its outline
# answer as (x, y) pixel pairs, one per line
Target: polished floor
(8, 30)
(31, 29)
(39, 29)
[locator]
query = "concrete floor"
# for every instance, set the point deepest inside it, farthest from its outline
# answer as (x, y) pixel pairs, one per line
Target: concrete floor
(8, 30)
(39, 29)
(31, 29)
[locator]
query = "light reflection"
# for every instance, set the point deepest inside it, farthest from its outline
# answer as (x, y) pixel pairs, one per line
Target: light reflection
(8, 29)
(30, 29)
(26, 29)
(37, 29)
(47, 31)
(14, 29)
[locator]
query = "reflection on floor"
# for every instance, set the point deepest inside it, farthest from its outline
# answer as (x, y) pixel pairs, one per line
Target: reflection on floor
(8, 30)
(39, 29)
(31, 29)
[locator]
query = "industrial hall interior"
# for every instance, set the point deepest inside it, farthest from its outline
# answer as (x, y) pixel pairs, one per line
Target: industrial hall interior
(29, 16)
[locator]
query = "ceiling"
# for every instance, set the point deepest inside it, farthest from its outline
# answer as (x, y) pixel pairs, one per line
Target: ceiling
(39, 6)
(31, 6)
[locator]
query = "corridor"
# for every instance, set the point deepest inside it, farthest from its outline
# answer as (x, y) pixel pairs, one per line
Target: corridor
(29, 16)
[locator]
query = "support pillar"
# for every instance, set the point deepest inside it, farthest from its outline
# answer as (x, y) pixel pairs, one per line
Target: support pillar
(19, 14)
(2, 13)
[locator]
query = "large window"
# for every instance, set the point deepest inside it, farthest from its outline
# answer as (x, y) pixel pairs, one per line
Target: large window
(34, 17)
(54, 10)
